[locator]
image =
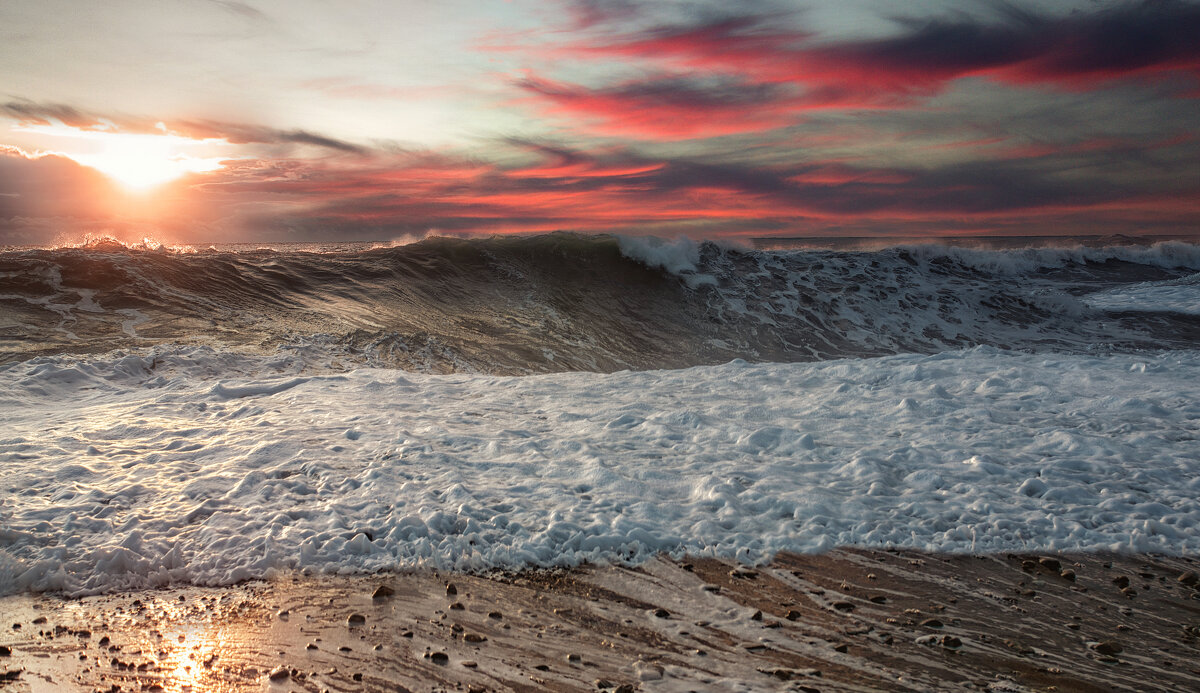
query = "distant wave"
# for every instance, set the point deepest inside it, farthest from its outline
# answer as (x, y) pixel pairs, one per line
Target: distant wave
(561, 301)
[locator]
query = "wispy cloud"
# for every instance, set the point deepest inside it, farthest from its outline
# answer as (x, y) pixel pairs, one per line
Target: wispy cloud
(34, 113)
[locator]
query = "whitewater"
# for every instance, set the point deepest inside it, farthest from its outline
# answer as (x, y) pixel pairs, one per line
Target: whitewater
(227, 414)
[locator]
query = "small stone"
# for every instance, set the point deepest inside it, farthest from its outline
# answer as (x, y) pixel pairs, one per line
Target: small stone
(879, 599)
(843, 606)
(406, 634)
(602, 684)
(469, 664)
(782, 674)
(1028, 566)
(382, 592)
(662, 613)
(574, 658)
(496, 615)
(311, 646)
(1051, 564)
(624, 688)
(357, 677)
(1108, 648)
(1129, 592)
(456, 628)
(457, 606)
(1121, 581)
(756, 616)
(439, 658)
(932, 623)
(792, 615)
(5, 651)
(38, 621)
(951, 642)
(841, 647)
(542, 667)
(1067, 574)
(279, 673)
(1189, 579)
(356, 619)
(451, 590)
(711, 588)
(474, 637)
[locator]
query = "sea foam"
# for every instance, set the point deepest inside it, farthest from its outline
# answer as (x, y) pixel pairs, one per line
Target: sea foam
(187, 464)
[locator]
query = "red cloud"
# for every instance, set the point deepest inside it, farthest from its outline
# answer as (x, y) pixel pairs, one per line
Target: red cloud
(667, 108)
(746, 76)
(615, 190)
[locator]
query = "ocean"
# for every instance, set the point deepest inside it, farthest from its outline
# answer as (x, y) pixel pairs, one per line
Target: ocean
(210, 415)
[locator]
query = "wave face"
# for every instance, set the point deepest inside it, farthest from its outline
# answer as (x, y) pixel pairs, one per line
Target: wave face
(563, 302)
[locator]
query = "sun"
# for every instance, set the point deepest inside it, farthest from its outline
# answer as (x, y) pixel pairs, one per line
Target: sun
(145, 161)
(138, 161)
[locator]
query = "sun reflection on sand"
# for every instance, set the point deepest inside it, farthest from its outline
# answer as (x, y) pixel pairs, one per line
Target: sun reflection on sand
(185, 644)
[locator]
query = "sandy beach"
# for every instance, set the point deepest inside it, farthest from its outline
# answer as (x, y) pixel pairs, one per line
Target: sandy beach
(848, 620)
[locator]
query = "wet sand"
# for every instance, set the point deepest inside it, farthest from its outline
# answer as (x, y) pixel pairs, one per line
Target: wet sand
(848, 620)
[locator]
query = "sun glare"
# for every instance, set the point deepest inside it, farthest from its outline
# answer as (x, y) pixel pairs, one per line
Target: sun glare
(138, 161)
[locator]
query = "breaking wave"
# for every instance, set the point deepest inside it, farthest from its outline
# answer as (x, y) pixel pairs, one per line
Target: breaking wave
(565, 302)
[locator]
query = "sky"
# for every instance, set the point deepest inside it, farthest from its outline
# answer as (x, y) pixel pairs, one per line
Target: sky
(304, 120)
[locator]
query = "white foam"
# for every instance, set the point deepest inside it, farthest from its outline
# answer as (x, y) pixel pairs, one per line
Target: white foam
(678, 256)
(135, 470)
(1166, 255)
(1175, 296)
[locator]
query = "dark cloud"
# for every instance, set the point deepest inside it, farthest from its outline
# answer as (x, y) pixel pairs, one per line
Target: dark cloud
(31, 112)
(47, 186)
(302, 137)
(242, 10)
(1080, 50)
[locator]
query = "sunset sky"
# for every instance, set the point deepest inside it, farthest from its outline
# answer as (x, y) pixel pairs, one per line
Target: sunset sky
(215, 120)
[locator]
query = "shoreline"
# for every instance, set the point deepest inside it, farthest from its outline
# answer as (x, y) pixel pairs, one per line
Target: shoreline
(848, 620)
